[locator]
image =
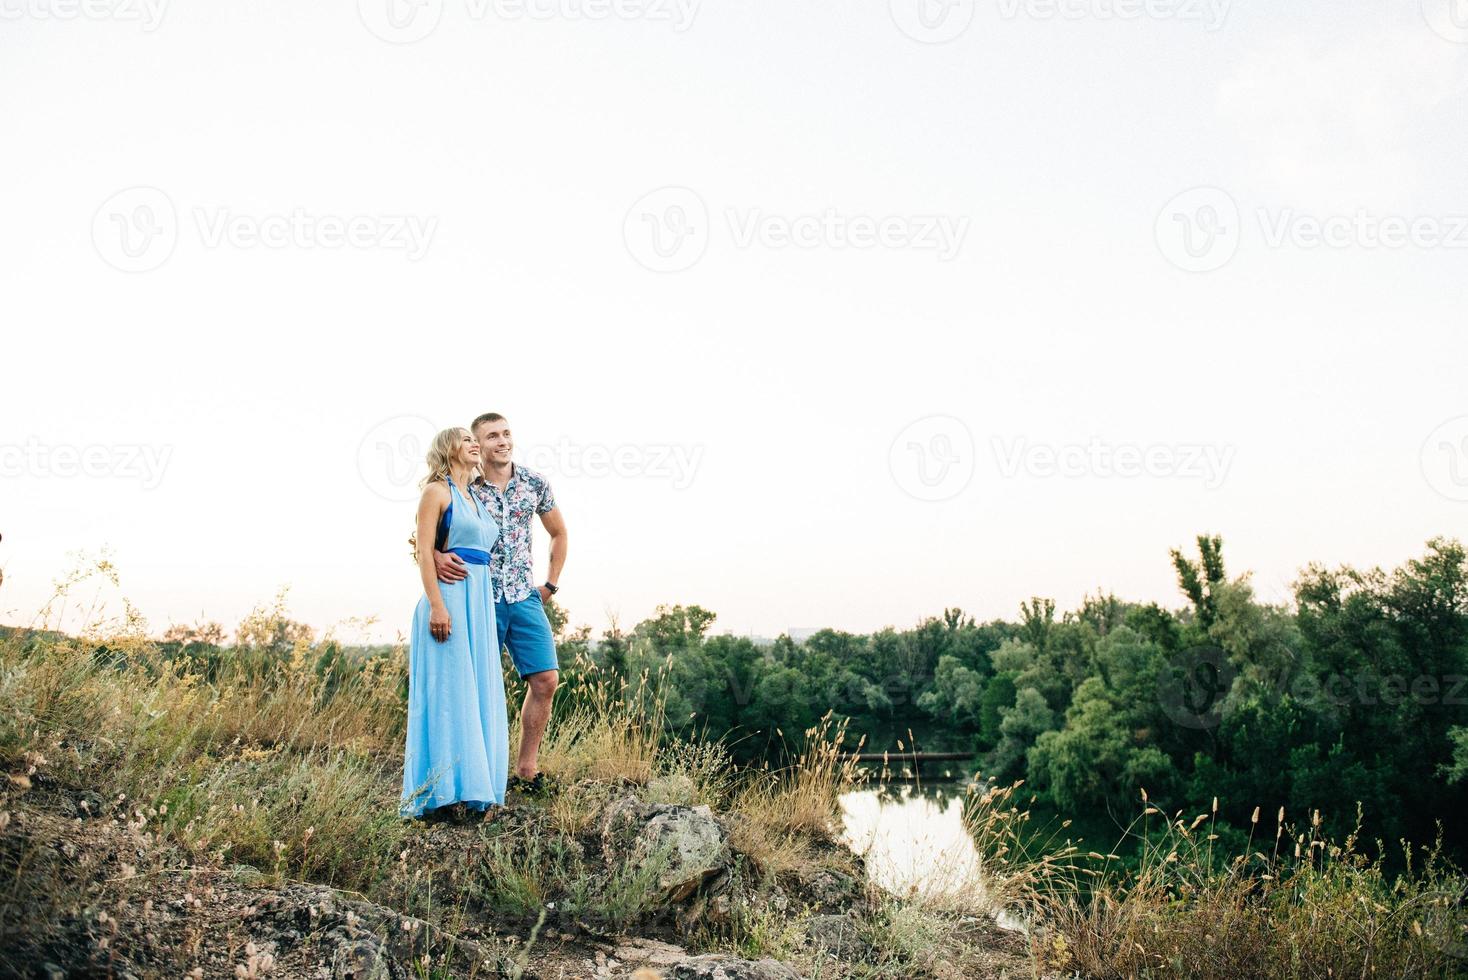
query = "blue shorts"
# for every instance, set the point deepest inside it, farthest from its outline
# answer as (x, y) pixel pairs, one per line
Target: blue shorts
(527, 633)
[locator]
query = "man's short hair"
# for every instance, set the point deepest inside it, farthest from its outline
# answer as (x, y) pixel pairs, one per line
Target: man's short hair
(486, 417)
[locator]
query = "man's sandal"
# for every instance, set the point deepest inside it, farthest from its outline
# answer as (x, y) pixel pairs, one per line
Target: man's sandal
(541, 785)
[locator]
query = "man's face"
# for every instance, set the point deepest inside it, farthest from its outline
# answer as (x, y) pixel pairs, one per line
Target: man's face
(495, 444)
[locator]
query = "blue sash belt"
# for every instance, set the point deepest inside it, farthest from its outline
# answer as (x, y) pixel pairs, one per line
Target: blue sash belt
(473, 556)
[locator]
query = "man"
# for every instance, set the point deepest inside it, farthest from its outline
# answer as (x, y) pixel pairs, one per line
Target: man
(512, 494)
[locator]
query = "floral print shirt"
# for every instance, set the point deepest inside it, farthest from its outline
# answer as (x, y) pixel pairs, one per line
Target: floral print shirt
(512, 577)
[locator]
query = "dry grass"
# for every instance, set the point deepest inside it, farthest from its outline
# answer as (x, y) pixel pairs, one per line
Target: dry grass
(803, 798)
(1306, 907)
(781, 812)
(585, 743)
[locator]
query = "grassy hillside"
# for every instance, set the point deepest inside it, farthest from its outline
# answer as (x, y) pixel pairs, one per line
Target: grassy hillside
(192, 809)
(171, 809)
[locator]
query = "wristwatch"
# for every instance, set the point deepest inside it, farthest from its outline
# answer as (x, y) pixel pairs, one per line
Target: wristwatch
(553, 588)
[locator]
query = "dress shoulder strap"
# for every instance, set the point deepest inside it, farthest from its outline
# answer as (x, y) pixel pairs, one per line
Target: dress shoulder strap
(441, 539)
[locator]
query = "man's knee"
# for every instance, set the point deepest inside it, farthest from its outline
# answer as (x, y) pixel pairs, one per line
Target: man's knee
(543, 683)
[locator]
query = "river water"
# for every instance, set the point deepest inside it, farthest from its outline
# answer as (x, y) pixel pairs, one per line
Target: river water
(913, 836)
(914, 841)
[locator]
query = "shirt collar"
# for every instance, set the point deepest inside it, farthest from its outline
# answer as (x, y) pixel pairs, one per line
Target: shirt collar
(514, 472)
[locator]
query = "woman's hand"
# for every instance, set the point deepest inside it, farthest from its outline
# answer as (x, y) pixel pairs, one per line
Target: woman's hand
(435, 501)
(438, 623)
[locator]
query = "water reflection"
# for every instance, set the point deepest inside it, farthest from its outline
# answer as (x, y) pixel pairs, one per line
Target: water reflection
(912, 836)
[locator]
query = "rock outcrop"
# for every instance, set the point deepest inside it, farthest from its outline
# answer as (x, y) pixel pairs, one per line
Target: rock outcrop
(689, 838)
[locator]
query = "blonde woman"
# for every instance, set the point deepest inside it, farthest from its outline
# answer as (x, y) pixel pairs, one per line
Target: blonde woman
(458, 743)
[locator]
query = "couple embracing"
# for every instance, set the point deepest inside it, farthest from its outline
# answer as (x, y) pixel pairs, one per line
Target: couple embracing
(473, 549)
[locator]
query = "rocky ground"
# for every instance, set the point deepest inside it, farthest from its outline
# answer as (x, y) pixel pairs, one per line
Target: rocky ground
(117, 900)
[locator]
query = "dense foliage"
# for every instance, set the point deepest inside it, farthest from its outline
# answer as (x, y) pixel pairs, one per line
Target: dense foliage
(1354, 692)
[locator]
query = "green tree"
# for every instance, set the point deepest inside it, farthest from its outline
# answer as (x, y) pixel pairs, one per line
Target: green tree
(1198, 579)
(956, 695)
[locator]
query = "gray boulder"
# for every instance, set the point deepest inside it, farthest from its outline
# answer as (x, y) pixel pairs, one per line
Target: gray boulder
(831, 889)
(359, 959)
(636, 832)
(836, 934)
(719, 967)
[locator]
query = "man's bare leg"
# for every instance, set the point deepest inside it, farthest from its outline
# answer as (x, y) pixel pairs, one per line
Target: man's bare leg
(533, 716)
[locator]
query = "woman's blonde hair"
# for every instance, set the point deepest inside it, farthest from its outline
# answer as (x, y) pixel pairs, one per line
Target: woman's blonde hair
(440, 451)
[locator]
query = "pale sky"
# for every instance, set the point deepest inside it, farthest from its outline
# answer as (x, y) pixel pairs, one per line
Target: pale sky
(814, 314)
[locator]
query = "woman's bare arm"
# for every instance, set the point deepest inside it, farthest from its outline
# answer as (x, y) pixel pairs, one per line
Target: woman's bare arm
(431, 505)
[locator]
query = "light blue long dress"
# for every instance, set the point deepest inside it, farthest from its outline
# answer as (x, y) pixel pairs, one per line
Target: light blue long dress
(458, 743)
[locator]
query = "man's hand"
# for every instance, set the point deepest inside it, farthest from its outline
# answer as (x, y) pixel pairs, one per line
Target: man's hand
(545, 593)
(450, 567)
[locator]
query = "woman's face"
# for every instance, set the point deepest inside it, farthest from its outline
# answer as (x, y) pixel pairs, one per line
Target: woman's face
(467, 453)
